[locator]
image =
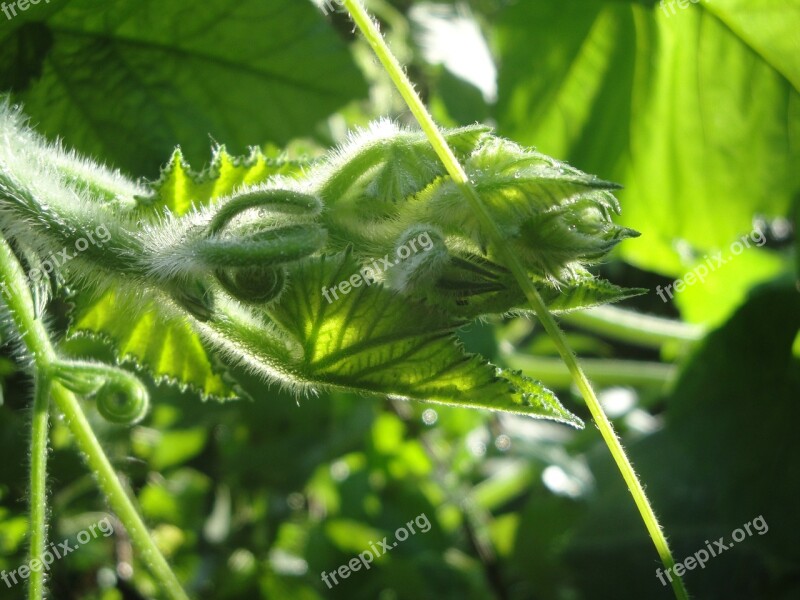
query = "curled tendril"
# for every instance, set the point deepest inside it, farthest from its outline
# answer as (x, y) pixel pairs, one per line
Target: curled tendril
(262, 248)
(121, 398)
(82, 381)
(284, 201)
(123, 401)
(247, 256)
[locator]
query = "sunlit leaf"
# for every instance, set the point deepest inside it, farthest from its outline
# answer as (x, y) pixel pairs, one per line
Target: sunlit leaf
(155, 340)
(664, 104)
(179, 187)
(375, 341)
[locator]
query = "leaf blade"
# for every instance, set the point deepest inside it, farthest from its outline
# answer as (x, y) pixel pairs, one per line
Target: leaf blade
(243, 71)
(154, 340)
(373, 340)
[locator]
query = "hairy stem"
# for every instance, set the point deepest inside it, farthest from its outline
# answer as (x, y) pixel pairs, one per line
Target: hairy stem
(18, 301)
(38, 485)
(373, 36)
(115, 492)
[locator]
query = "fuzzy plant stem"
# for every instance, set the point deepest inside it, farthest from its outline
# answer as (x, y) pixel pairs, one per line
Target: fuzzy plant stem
(38, 485)
(373, 36)
(34, 337)
(115, 492)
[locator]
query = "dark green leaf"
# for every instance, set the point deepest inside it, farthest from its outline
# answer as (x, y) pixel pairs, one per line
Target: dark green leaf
(126, 83)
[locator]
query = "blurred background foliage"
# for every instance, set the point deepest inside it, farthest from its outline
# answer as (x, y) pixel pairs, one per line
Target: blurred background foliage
(694, 108)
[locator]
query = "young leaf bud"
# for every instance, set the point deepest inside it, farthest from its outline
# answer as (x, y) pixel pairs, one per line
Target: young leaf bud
(275, 200)
(253, 284)
(268, 247)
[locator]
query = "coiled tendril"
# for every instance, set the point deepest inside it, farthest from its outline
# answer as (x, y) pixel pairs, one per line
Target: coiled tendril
(120, 397)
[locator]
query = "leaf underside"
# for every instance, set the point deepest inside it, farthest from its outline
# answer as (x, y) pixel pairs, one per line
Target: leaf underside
(155, 340)
(375, 340)
(128, 85)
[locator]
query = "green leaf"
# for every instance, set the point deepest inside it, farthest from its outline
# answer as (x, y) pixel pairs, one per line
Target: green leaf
(374, 341)
(179, 187)
(724, 289)
(664, 104)
(127, 83)
(585, 291)
(769, 27)
(153, 339)
(493, 290)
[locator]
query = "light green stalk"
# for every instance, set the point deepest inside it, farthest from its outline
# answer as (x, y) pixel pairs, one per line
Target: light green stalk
(38, 485)
(603, 372)
(373, 36)
(20, 307)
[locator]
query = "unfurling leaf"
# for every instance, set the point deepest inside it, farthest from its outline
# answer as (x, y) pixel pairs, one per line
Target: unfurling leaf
(279, 268)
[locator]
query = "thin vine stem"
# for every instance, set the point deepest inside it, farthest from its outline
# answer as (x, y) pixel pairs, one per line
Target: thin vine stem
(373, 36)
(38, 492)
(114, 490)
(33, 335)
(18, 301)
